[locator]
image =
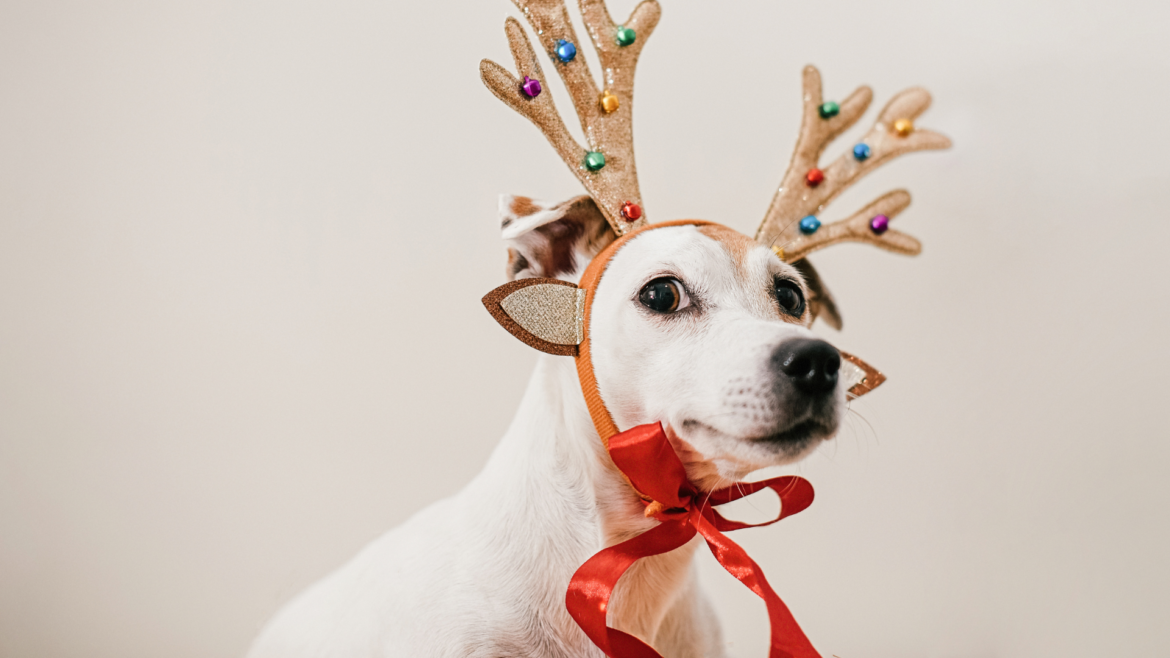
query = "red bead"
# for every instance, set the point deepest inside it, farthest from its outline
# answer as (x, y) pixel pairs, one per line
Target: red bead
(631, 212)
(814, 177)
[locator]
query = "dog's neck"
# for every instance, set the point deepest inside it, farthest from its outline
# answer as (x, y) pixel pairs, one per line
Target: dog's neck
(566, 501)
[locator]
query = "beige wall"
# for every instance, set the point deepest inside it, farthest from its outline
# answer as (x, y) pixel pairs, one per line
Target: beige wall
(242, 247)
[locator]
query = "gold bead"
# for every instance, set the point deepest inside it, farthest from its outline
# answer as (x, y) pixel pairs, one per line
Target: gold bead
(779, 251)
(903, 127)
(609, 102)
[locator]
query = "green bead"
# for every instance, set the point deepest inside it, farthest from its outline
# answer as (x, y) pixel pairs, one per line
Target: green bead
(594, 160)
(829, 110)
(625, 36)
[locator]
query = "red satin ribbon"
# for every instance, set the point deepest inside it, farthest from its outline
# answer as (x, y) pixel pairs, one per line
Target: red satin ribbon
(646, 457)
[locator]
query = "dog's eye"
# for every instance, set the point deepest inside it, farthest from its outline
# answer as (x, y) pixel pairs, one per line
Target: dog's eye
(664, 295)
(790, 298)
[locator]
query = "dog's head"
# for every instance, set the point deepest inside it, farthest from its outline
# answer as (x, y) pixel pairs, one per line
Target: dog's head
(699, 327)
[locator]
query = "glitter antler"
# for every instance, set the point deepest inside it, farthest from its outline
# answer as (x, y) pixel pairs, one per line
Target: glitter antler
(791, 227)
(606, 168)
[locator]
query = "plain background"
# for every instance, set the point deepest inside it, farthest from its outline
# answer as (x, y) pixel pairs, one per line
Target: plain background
(242, 246)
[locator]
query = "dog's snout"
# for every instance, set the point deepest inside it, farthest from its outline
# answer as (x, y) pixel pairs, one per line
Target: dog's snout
(811, 364)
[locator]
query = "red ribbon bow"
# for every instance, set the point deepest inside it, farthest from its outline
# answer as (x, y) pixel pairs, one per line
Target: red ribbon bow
(646, 457)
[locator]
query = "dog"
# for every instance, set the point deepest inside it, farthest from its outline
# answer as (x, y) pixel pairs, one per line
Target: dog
(694, 326)
(699, 327)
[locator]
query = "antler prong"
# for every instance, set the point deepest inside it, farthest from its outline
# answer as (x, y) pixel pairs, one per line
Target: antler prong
(857, 228)
(541, 110)
(816, 132)
(806, 190)
(551, 22)
(601, 28)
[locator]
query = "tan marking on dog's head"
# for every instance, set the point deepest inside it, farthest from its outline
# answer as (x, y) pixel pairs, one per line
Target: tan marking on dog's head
(522, 206)
(737, 245)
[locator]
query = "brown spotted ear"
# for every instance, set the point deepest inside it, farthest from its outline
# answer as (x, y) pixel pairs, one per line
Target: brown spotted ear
(821, 302)
(551, 241)
(548, 314)
(859, 376)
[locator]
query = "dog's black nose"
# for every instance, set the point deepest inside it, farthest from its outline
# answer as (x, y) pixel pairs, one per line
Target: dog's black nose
(811, 364)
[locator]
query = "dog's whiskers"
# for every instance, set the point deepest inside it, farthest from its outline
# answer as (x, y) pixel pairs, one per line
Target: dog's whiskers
(855, 413)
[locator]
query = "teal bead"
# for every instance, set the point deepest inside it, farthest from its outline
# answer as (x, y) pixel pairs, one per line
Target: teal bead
(829, 110)
(625, 36)
(809, 225)
(594, 160)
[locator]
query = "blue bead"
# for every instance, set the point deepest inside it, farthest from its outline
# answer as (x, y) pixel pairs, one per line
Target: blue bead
(809, 225)
(566, 51)
(861, 151)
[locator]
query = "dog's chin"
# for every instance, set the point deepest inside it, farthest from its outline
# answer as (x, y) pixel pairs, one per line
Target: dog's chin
(712, 451)
(798, 439)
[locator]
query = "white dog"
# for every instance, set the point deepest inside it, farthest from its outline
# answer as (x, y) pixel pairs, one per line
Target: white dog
(697, 327)
(700, 328)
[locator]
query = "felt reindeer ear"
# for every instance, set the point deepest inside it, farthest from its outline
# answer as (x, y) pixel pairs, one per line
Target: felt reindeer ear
(859, 376)
(547, 314)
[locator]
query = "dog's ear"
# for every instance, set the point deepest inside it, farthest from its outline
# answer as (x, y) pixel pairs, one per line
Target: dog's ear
(552, 241)
(821, 302)
(547, 314)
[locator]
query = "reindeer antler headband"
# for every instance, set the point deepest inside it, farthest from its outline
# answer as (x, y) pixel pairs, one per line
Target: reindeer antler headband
(605, 166)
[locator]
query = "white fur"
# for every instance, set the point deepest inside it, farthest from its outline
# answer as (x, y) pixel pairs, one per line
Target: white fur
(484, 573)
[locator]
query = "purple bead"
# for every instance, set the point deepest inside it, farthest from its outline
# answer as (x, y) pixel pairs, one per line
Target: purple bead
(879, 224)
(531, 87)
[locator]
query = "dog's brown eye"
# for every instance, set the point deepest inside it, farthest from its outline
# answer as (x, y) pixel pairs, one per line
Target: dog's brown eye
(790, 298)
(664, 295)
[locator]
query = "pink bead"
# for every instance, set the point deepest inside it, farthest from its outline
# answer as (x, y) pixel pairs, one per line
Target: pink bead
(531, 87)
(879, 224)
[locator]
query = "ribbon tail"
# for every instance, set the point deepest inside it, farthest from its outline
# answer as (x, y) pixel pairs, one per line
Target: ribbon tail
(594, 582)
(787, 638)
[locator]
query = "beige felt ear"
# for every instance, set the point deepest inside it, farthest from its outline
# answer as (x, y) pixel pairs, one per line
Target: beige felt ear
(548, 314)
(859, 376)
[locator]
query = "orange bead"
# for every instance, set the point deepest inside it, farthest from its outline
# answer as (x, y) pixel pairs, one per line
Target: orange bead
(814, 177)
(903, 127)
(609, 102)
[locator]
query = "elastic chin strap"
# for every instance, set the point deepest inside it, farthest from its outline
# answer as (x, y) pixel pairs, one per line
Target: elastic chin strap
(602, 419)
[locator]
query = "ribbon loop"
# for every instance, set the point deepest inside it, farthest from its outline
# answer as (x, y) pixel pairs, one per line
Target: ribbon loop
(796, 494)
(646, 457)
